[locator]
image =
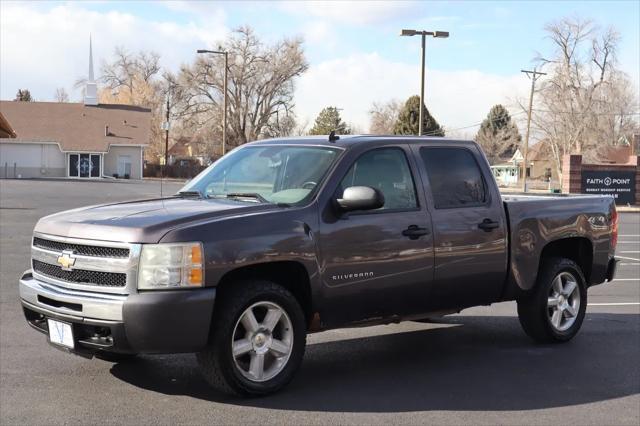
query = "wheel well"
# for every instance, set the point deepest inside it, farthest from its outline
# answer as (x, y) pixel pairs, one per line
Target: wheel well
(578, 249)
(290, 274)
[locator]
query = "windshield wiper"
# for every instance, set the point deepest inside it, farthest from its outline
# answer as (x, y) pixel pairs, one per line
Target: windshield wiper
(253, 195)
(191, 193)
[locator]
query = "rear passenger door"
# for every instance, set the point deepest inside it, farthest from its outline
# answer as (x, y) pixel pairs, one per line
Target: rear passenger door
(469, 228)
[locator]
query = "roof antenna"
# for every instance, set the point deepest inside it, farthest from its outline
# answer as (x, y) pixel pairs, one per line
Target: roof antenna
(333, 137)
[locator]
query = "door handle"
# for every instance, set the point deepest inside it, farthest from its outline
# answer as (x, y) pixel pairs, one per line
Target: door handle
(414, 232)
(488, 225)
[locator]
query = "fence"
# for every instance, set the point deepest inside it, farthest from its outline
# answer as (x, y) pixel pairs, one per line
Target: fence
(173, 171)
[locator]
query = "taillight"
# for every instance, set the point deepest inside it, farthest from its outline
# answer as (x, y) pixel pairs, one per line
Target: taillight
(614, 228)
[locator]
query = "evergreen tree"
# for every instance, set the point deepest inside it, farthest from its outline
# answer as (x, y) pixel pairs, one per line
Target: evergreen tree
(498, 135)
(329, 120)
(23, 95)
(407, 123)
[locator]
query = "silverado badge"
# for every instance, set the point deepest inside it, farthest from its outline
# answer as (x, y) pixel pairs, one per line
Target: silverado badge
(67, 260)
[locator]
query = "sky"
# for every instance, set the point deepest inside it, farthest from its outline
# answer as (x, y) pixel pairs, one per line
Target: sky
(355, 53)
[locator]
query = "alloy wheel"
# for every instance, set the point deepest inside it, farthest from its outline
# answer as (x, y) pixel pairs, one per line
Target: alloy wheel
(262, 341)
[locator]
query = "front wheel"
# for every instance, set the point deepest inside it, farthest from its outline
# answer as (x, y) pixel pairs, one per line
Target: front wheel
(554, 311)
(257, 342)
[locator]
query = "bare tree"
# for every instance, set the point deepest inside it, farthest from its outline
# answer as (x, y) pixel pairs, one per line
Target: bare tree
(61, 95)
(260, 86)
(585, 102)
(132, 77)
(384, 117)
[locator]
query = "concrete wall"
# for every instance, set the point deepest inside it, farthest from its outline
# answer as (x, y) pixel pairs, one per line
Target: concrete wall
(31, 160)
(111, 160)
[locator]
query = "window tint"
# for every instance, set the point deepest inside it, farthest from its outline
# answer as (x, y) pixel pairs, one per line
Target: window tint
(387, 170)
(454, 177)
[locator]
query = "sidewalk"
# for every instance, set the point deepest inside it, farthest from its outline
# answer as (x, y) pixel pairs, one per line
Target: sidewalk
(157, 179)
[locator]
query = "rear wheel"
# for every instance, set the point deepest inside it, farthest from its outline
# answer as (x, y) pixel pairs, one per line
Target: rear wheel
(554, 311)
(257, 342)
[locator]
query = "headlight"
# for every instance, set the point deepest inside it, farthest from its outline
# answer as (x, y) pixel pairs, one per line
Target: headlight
(165, 266)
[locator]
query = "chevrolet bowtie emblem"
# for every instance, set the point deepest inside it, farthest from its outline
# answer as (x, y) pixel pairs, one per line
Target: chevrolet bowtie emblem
(66, 261)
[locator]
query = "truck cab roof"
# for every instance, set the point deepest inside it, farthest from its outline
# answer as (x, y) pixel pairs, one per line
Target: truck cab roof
(350, 141)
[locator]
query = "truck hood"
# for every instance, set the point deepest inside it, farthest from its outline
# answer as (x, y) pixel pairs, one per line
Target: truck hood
(144, 221)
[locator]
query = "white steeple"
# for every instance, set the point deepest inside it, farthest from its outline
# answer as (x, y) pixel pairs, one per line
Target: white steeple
(91, 88)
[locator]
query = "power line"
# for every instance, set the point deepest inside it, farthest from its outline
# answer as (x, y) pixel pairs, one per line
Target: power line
(434, 132)
(469, 126)
(624, 114)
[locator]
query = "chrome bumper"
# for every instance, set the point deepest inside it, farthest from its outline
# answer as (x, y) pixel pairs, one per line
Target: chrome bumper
(81, 305)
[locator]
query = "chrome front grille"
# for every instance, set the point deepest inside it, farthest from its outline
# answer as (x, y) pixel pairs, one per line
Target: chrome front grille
(81, 276)
(81, 249)
(79, 264)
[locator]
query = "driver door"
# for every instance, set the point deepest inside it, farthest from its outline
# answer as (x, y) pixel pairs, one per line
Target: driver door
(371, 265)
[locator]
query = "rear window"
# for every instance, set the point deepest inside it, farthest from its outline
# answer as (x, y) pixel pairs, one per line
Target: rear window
(454, 176)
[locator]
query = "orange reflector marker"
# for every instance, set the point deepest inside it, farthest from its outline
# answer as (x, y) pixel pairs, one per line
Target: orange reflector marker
(196, 254)
(195, 277)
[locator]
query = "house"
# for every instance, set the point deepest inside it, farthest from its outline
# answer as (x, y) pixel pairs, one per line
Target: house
(76, 140)
(541, 166)
(188, 151)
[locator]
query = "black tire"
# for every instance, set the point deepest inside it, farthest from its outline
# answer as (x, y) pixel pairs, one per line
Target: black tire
(114, 356)
(534, 311)
(217, 362)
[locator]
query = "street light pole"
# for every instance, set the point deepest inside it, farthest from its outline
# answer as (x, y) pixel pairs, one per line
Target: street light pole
(166, 136)
(435, 34)
(224, 89)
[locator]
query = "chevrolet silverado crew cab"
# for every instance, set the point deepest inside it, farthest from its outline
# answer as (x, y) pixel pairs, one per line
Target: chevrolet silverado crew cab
(284, 237)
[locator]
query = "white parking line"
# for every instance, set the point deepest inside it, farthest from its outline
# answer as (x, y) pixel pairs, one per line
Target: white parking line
(627, 258)
(630, 251)
(628, 264)
(615, 304)
(627, 279)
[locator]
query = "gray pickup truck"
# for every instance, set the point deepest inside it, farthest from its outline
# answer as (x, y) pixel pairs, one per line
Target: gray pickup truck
(284, 237)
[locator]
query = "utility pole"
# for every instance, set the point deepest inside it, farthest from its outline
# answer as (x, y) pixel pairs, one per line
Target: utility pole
(226, 101)
(421, 116)
(533, 75)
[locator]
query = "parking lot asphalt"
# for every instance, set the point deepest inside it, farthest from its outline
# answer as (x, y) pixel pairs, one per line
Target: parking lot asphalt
(477, 367)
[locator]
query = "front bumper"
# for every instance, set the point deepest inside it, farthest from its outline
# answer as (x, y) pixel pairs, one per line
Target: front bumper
(169, 321)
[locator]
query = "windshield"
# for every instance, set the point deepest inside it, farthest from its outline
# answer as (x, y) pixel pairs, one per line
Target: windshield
(274, 174)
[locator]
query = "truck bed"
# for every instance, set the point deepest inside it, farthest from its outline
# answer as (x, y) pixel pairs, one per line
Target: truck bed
(535, 221)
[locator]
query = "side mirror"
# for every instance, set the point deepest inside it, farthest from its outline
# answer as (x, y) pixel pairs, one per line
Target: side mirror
(360, 198)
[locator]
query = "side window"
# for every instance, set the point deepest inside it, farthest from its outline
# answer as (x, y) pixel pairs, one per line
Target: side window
(454, 177)
(387, 170)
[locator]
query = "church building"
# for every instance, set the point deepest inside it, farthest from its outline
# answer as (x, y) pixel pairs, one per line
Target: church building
(87, 140)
